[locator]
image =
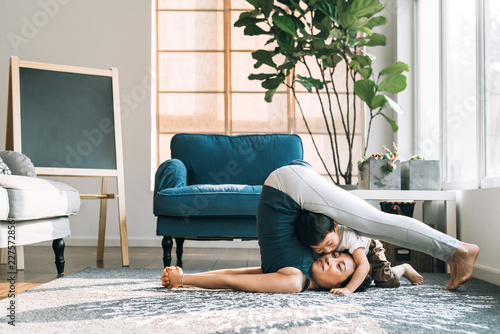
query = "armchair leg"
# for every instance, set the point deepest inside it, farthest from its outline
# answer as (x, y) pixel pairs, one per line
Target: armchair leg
(166, 244)
(58, 247)
(179, 247)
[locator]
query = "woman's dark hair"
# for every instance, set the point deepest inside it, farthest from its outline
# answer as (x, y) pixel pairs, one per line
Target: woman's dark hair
(312, 228)
(363, 287)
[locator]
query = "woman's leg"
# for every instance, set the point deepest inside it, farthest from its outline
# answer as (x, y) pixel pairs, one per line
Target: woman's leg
(314, 193)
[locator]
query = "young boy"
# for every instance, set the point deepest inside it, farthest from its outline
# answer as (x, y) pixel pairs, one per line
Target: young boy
(312, 229)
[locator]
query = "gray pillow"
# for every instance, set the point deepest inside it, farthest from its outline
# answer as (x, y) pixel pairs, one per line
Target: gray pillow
(18, 163)
(4, 169)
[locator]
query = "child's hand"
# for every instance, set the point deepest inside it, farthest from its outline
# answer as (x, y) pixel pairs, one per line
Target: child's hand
(171, 277)
(340, 291)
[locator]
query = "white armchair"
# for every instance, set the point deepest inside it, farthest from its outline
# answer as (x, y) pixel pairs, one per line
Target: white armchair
(32, 209)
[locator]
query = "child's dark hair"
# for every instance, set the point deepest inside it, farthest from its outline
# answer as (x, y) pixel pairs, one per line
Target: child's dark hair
(312, 228)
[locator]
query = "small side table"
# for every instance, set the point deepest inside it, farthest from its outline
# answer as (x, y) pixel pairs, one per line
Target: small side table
(449, 198)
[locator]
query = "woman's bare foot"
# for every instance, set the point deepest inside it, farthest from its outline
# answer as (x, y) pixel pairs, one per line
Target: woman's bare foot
(412, 275)
(172, 277)
(462, 264)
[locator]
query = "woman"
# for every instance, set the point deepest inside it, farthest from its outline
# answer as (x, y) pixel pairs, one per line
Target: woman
(328, 271)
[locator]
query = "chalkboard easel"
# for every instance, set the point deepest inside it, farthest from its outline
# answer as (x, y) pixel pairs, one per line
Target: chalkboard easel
(66, 119)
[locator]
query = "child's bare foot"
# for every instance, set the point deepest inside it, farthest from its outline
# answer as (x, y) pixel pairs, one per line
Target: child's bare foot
(462, 264)
(412, 275)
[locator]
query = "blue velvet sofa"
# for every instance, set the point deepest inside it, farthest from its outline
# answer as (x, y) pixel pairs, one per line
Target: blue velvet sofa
(210, 188)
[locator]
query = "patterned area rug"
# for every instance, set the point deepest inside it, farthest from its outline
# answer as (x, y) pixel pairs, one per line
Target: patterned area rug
(133, 301)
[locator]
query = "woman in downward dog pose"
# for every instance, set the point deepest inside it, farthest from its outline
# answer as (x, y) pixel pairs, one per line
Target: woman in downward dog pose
(286, 262)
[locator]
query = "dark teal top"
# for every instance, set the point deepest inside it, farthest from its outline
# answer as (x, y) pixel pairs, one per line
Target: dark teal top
(279, 245)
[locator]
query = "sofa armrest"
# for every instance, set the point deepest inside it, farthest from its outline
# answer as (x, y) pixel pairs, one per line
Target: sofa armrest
(171, 174)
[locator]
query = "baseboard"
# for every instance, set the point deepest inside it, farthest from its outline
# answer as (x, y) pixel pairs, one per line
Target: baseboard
(487, 274)
(156, 242)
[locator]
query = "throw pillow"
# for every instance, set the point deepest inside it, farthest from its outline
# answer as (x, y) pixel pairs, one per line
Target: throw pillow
(4, 169)
(18, 163)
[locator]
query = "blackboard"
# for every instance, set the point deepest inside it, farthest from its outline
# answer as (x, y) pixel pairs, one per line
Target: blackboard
(67, 119)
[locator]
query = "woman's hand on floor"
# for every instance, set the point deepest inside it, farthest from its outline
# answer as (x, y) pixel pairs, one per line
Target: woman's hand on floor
(172, 277)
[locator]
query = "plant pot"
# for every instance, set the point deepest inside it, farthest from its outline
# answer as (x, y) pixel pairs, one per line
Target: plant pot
(373, 176)
(420, 175)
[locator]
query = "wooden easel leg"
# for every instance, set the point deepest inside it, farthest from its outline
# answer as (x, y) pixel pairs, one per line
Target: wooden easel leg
(3, 255)
(20, 257)
(122, 217)
(102, 220)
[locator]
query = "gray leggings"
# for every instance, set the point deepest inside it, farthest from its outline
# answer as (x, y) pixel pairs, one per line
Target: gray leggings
(316, 194)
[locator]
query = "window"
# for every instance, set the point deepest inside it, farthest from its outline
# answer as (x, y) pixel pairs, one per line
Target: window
(492, 88)
(458, 57)
(428, 84)
(203, 64)
(459, 38)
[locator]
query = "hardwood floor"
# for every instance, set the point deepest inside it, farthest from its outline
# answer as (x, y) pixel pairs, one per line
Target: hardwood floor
(40, 268)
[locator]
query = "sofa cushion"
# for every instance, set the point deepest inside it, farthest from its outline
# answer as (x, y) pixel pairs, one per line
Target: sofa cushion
(4, 204)
(208, 200)
(243, 159)
(36, 198)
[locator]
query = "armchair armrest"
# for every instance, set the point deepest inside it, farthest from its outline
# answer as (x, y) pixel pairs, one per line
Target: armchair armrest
(171, 174)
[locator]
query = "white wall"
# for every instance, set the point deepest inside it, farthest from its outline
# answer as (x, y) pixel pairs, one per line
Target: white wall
(479, 223)
(98, 34)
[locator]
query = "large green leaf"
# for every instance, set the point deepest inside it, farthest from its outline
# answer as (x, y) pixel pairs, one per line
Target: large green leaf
(365, 72)
(253, 30)
(393, 83)
(332, 61)
(285, 41)
(261, 76)
(375, 40)
(263, 57)
(328, 8)
(358, 23)
(245, 21)
(376, 21)
(365, 90)
(285, 23)
(309, 83)
(399, 67)
(393, 124)
(269, 95)
(393, 105)
(363, 60)
(273, 83)
(378, 101)
(364, 8)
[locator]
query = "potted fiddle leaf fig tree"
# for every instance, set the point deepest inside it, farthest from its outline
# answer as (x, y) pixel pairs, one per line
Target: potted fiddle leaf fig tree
(324, 37)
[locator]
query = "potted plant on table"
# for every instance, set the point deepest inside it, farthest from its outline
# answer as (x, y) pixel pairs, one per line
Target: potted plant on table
(325, 36)
(417, 173)
(380, 171)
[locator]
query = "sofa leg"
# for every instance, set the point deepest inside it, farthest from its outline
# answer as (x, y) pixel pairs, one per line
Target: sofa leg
(179, 247)
(58, 247)
(166, 244)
